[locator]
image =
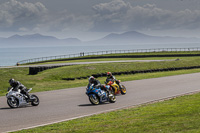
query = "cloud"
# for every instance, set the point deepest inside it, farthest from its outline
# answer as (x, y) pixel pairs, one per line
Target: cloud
(35, 17)
(65, 21)
(112, 16)
(119, 15)
(118, 6)
(16, 15)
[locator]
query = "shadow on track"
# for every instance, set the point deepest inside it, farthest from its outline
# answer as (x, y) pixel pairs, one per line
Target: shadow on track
(6, 108)
(85, 105)
(82, 105)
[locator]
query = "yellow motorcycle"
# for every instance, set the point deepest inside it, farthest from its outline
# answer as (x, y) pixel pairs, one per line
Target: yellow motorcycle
(115, 87)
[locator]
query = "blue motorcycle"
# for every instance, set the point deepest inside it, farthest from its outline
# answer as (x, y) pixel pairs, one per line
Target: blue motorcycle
(97, 96)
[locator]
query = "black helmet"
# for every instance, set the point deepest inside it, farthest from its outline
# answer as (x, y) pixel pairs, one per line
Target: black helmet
(11, 81)
(91, 79)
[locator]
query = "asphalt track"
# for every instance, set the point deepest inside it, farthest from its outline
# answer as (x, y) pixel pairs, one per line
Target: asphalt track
(67, 104)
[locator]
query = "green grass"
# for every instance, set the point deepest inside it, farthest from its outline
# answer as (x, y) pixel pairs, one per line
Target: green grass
(105, 57)
(52, 79)
(176, 115)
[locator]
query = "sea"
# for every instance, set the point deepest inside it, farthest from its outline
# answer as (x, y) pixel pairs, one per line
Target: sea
(9, 56)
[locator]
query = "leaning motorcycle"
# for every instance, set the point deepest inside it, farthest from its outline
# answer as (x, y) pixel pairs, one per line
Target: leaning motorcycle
(16, 99)
(97, 96)
(115, 87)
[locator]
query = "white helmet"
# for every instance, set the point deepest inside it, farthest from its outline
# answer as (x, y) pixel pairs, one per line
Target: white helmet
(91, 79)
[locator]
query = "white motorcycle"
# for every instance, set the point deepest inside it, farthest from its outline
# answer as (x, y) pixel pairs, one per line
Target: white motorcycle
(16, 99)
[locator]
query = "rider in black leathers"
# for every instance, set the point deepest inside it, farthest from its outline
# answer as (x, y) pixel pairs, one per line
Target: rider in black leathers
(17, 85)
(96, 83)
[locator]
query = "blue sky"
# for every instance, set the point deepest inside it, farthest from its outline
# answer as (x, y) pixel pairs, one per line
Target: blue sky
(93, 19)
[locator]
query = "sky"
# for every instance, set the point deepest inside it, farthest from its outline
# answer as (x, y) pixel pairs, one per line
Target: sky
(93, 19)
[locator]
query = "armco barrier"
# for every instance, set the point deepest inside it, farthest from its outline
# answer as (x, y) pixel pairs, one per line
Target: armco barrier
(135, 72)
(84, 54)
(35, 70)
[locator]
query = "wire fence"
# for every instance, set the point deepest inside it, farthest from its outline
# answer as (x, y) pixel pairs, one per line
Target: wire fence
(40, 59)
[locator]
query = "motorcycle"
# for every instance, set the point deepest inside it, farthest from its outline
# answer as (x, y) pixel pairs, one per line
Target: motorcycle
(115, 87)
(97, 96)
(16, 99)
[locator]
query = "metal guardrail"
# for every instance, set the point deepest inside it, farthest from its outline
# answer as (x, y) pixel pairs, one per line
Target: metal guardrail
(106, 52)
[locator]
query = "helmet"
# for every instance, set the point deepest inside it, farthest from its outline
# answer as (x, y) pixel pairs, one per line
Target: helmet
(91, 79)
(11, 81)
(109, 74)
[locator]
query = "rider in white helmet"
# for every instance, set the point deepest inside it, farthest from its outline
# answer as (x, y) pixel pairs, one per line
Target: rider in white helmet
(96, 83)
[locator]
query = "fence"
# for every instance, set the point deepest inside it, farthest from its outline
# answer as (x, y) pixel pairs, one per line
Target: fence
(106, 52)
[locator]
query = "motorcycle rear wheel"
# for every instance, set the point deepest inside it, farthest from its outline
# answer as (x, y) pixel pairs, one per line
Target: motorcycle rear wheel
(13, 104)
(113, 90)
(94, 99)
(35, 101)
(123, 90)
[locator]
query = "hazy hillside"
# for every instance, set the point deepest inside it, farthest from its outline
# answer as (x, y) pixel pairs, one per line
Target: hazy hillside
(133, 37)
(36, 40)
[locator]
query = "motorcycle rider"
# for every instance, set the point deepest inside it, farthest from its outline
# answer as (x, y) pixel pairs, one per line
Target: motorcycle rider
(112, 78)
(17, 85)
(96, 83)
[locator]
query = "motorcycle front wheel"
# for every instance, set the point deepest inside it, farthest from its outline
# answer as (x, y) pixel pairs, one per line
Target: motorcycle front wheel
(13, 103)
(35, 101)
(94, 99)
(112, 98)
(123, 90)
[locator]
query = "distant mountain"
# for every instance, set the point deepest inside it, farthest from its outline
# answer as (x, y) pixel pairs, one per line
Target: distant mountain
(33, 37)
(71, 40)
(37, 40)
(126, 35)
(132, 37)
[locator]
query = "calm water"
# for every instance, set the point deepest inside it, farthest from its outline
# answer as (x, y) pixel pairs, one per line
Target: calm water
(10, 56)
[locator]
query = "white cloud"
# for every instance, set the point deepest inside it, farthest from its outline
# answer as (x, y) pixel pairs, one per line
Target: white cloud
(35, 17)
(112, 16)
(118, 6)
(65, 22)
(15, 15)
(147, 17)
(118, 15)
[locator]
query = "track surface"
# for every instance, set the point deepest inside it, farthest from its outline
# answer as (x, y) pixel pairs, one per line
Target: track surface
(68, 104)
